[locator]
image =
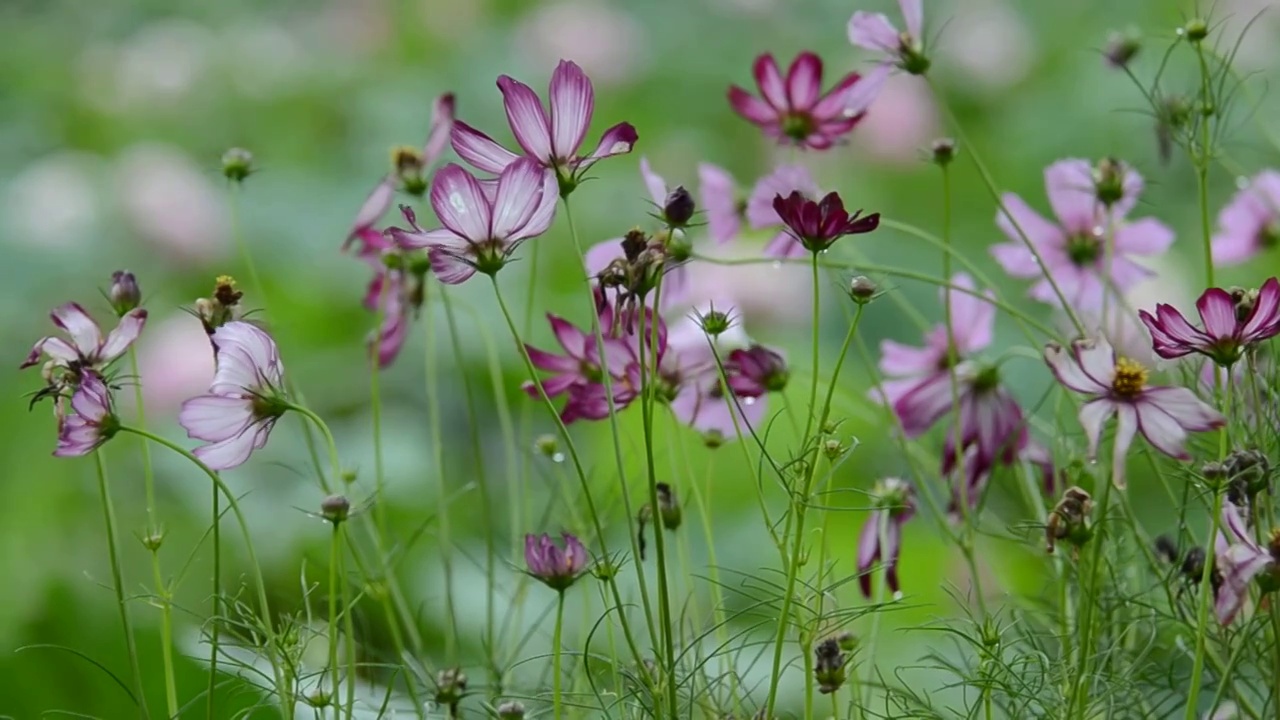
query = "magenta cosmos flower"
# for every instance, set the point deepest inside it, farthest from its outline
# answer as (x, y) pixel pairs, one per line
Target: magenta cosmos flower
(244, 400)
(579, 372)
(1250, 223)
(689, 379)
(482, 226)
(762, 215)
(816, 225)
(93, 423)
(1230, 325)
(795, 109)
(1074, 250)
(881, 536)
(380, 198)
(874, 31)
(1118, 386)
(557, 568)
(554, 138)
(1241, 560)
(87, 349)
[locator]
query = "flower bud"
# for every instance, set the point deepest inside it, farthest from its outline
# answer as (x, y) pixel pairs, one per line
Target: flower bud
(863, 289)
(713, 438)
(1121, 48)
(714, 322)
(511, 710)
(847, 641)
(943, 151)
(547, 445)
(1195, 30)
(318, 698)
(153, 540)
(409, 169)
(451, 685)
(604, 570)
(678, 208)
(237, 164)
(124, 294)
(1069, 519)
(335, 509)
(348, 476)
(668, 507)
(828, 666)
(1108, 181)
(833, 448)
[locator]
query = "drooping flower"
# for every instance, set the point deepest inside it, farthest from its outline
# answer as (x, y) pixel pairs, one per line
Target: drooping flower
(816, 225)
(553, 138)
(1089, 251)
(795, 110)
(756, 370)
(761, 214)
(1240, 559)
(874, 31)
(482, 229)
(244, 401)
(881, 536)
(580, 371)
(970, 478)
(556, 567)
(720, 202)
(396, 291)
(1118, 386)
(87, 349)
(93, 423)
(1231, 324)
(1250, 223)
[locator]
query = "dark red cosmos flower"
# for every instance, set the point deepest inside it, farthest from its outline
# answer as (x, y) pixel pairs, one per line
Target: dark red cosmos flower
(816, 225)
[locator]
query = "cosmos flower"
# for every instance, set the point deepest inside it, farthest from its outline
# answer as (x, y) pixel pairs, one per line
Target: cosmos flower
(881, 536)
(1241, 559)
(720, 202)
(579, 372)
(874, 31)
(761, 214)
(1250, 223)
(816, 225)
(795, 110)
(1231, 324)
(87, 349)
(556, 567)
(93, 423)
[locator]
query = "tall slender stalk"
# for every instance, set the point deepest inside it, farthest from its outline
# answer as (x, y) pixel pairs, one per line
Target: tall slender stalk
(1202, 610)
(556, 673)
(335, 682)
(442, 493)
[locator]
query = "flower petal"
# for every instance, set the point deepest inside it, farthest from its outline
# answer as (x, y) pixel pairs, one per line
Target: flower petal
(230, 453)
(442, 117)
(572, 104)
(84, 332)
(1264, 320)
(460, 203)
(719, 200)
(617, 140)
(873, 31)
(913, 17)
(247, 360)
(1218, 311)
(527, 118)
(56, 348)
(1185, 407)
(519, 195)
(973, 316)
(123, 335)
(654, 183)
(449, 265)
(374, 207)
(1067, 370)
(750, 107)
(215, 418)
(859, 97)
(769, 80)
(1070, 187)
(923, 406)
(479, 149)
(1093, 415)
(804, 81)
(898, 360)
(91, 400)
(1147, 236)
(1126, 427)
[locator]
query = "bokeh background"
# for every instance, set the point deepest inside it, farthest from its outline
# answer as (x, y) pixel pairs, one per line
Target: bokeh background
(112, 120)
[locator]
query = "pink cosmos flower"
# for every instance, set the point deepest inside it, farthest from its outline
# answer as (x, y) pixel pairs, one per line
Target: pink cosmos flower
(1229, 325)
(1250, 223)
(88, 350)
(482, 228)
(557, 568)
(816, 225)
(874, 32)
(1074, 250)
(794, 109)
(720, 202)
(689, 380)
(386, 340)
(93, 423)
(881, 536)
(762, 215)
(753, 371)
(1118, 386)
(244, 401)
(579, 372)
(379, 199)
(553, 138)
(1240, 559)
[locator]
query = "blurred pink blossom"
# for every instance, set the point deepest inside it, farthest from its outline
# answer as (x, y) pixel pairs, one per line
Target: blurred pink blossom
(171, 203)
(902, 120)
(604, 39)
(175, 362)
(989, 43)
(158, 67)
(54, 202)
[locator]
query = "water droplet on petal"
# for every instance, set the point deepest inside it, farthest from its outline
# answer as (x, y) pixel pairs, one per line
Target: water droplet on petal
(748, 401)
(897, 595)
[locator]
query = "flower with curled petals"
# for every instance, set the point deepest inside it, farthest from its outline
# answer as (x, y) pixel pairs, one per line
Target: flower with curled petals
(93, 422)
(1240, 561)
(483, 226)
(1118, 386)
(244, 401)
(1250, 223)
(87, 349)
(794, 109)
(1090, 250)
(874, 31)
(881, 536)
(1230, 325)
(556, 567)
(551, 138)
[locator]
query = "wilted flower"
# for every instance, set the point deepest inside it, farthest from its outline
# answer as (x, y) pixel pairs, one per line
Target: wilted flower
(1118, 386)
(816, 225)
(794, 109)
(93, 423)
(720, 202)
(1075, 252)
(552, 138)
(1241, 559)
(124, 294)
(873, 31)
(1227, 331)
(1250, 223)
(222, 307)
(557, 568)
(762, 215)
(244, 400)
(88, 350)
(828, 666)
(881, 537)
(580, 371)
(1070, 519)
(756, 370)
(482, 229)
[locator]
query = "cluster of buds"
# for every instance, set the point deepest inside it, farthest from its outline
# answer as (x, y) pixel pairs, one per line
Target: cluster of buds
(222, 307)
(634, 275)
(1070, 519)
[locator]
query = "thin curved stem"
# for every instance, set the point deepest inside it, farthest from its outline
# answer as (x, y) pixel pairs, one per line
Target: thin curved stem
(556, 700)
(335, 682)
(1202, 612)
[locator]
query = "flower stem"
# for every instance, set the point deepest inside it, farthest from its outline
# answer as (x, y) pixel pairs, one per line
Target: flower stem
(555, 657)
(350, 632)
(1202, 610)
(1202, 162)
(216, 519)
(1088, 605)
(335, 683)
(430, 365)
(117, 580)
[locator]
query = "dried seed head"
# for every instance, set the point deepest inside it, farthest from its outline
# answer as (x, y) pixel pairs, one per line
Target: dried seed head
(828, 666)
(511, 710)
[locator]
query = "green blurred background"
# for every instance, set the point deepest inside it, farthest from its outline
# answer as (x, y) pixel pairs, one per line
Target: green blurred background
(112, 119)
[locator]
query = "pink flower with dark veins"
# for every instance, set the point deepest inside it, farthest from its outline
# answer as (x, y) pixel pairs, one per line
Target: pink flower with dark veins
(1118, 386)
(794, 109)
(244, 401)
(557, 568)
(1090, 250)
(551, 138)
(93, 422)
(87, 349)
(1231, 324)
(1241, 560)
(579, 372)
(1250, 223)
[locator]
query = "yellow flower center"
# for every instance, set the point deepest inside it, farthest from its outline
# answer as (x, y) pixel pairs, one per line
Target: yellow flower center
(1130, 378)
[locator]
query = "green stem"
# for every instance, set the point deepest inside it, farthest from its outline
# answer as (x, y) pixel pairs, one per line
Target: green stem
(1202, 168)
(350, 633)
(1089, 603)
(215, 625)
(335, 682)
(375, 410)
(1202, 611)
(442, 494)
(117, 580)
(555, 657)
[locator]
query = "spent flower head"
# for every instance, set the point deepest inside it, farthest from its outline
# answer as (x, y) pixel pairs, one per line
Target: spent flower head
(881, 536)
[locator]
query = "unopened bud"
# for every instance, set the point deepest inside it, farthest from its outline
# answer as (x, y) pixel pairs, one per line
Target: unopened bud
(943, 151)
(604, 570)
(715, 322)
(237, 164)
(349, 476)
(153, 540)
(863, 289)
(833, 448)
(124, 294)
(318, 698)
(713, 438)
(1108, 181)
(1121, 48)
(335, 508)
(408, 166)
(511, 710)
(1195, 30)
(678, 208)
(847, 641)
(451, 685)
(668, 507)
(547, 445)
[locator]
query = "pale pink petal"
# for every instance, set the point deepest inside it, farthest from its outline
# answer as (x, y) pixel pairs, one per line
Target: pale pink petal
(617, 140)
(751, 107)
(863, 92)
(247, 357)
(428, 238)
(1239, 565)
(1185, 407)
(230, 453)
(784, 180)
(77, 436)
(899, 360)
(56, 348)
(1067, 370)
(835, 101)
(1070, 187)
(460, 203)
(120, 338)
(573, 340)
(442, 116)
(804, 81)
(973, 316)
(769, 80)
(448, 265)
(598, 256)
(1126, 428)
(873, 31)
(1161, 429)
(373, 208)
(527, 118)
(479, 149)
(214, 418)
(1097, 359)
(519, 195)
(91, 400)
(1147, 236)
(654, 183)
(920, 408)
(719, 200)
(913, 17)
(783, 246)
(1234, 522)
(1040, 232)
(1218, 311)
(572, 103)
(84, 332)
(545, 211)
